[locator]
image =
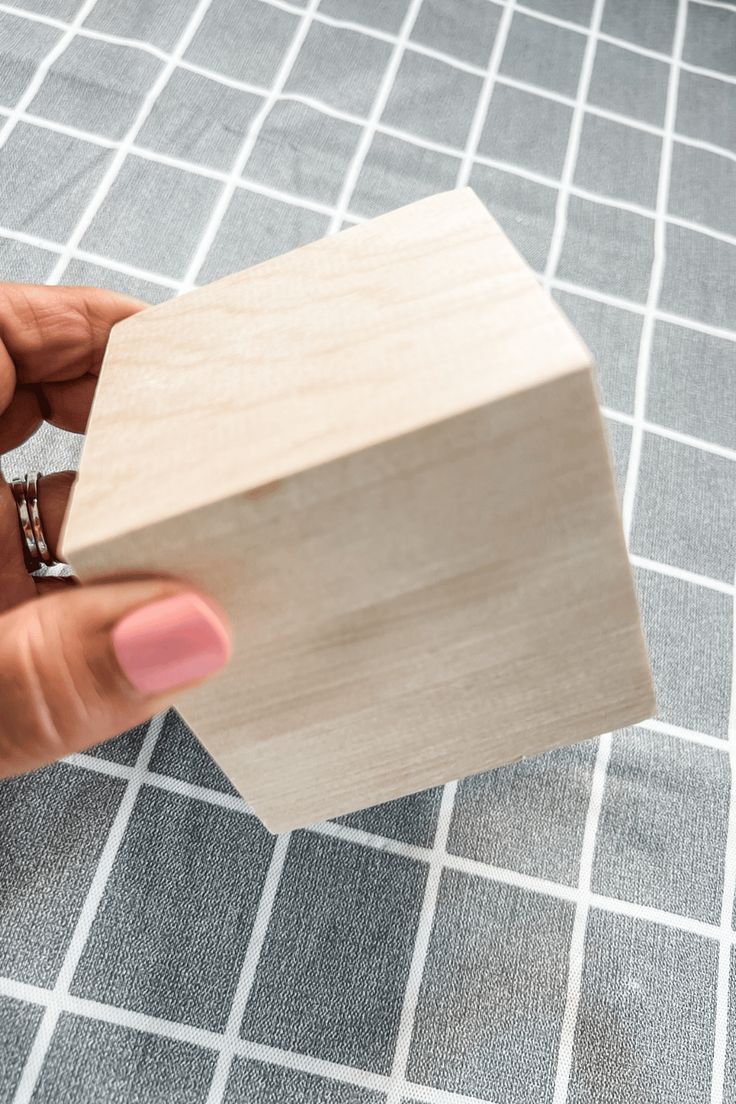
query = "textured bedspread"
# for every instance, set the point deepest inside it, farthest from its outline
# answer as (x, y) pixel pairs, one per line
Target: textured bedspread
(561, 930)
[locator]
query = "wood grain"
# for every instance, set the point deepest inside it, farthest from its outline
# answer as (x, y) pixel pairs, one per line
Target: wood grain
(382, 453)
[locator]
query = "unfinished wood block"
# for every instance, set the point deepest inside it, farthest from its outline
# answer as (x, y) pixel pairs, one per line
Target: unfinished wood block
(383, 454)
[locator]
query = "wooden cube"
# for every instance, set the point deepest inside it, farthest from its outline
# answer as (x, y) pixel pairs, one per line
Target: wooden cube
(383, 454)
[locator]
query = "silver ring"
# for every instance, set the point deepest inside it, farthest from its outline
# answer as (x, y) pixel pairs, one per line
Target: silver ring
(35, 546)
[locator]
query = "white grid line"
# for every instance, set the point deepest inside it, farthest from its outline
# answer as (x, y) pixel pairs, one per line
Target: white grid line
(656, 276)
(248, 971)
(397, 1084)
(373, 32)
(246, 148)
(681, 573)
(728, 903)
(197, 169)
(717, 743)
(248, 184)
(414, 139)
(577, 942)
(715, 4)
(486, 94)
(573, 145)
(37, 1053)
(110, 175)
(576, 951)
(472, 867)
(580, 923)
(671, 434)
(379, 105)
(42, 69)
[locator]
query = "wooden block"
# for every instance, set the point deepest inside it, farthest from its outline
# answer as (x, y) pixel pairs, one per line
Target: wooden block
(383, 454)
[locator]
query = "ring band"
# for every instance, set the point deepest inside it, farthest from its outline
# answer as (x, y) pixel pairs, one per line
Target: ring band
(42, 547)
(35, 546)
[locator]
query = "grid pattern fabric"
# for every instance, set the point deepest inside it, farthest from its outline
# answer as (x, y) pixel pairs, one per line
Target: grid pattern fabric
(560, 930)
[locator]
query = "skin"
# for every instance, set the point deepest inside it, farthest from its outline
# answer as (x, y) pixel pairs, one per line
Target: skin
(61, 688)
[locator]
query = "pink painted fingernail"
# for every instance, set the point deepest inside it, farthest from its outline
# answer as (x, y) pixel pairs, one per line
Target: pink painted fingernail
(170, 643)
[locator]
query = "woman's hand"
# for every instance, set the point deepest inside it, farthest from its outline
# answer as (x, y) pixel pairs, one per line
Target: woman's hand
(78, 664)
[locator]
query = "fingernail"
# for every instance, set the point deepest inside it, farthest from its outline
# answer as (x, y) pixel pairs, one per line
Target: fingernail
(170, 643)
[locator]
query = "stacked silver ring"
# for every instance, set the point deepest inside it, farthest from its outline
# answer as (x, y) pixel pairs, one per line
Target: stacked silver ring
(35, 546)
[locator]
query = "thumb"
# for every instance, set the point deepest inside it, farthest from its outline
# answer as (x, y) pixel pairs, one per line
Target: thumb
(83, 664)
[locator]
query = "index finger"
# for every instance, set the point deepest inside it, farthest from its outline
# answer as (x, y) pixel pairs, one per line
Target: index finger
(53, 334)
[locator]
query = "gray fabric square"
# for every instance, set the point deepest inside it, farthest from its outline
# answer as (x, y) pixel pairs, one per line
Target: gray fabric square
(618, 161)
(200, 120)
(689, 636)
(706, 109)
(183, 892)
(607, 249)
(303, 151)
(244, 39)
(685, 512)
(662, 830)
(51, 848)
(383, 15)
(340, 67)
(645, 24)
(613, 336)
(619, 446)
(529, 816)
(179, 754)
(574, 11)
(689, 373)
(48, 449)
(541, 53)
(18, 1025)
(526, 130)
(23, 45)
(46, 180)
(703, 188)
(465, 31)
(84, 272)
(256, 1083)
(412, 819)
(256, 228)
(24, 264)
(161, 23)
(629, 84)
(496, 970)
(153, 216)
(432, 100)
(94, 1062)
(646, 1016)
(396, 172)
(59, 9)
(710, 38)
(699, 276)
(124, 749)
(338, 993)
(525, 210)
(96, 86)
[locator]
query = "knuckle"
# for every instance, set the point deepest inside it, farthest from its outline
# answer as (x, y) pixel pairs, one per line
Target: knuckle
(47, 700)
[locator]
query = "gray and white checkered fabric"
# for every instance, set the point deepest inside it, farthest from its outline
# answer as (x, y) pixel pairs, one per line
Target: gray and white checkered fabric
(561, 930)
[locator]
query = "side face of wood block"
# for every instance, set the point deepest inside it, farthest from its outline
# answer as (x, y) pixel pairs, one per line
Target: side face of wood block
(409, 513)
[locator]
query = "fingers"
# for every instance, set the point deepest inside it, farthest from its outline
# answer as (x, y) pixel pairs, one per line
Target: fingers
(82, 664)
(20, 419)
(16, 585)
(52, 341)
(58, 333)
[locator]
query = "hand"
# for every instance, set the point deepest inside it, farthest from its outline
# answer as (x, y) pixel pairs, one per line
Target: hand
(78, 664)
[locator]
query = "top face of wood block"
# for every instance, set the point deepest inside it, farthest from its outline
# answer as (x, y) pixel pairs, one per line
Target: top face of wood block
(403, 322)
